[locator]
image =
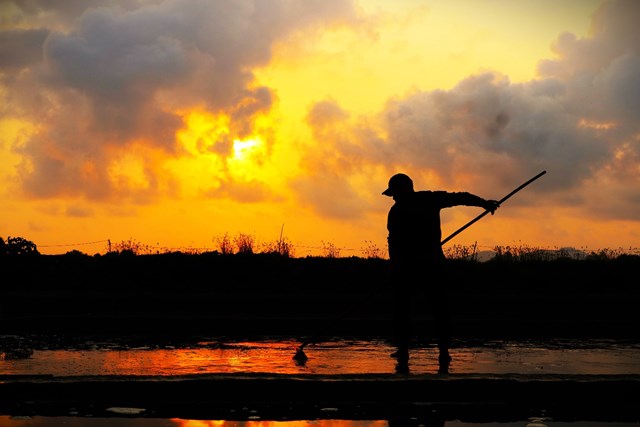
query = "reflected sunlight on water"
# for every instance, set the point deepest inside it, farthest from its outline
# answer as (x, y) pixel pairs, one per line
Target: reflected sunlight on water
(331, 357)
(338, 356)
(26, 421)
(300, 423)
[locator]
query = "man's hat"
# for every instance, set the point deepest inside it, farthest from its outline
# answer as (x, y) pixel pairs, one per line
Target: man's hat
(397, 182)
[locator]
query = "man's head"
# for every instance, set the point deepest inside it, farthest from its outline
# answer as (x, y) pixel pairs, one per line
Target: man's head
(399, 184)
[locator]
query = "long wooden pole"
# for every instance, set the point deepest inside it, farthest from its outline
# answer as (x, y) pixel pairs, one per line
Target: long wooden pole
(464, 227)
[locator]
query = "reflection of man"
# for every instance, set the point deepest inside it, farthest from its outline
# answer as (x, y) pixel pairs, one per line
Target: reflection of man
(434, 419)
(416, 255)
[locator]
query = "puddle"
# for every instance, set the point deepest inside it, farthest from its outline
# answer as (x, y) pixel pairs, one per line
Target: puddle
(339, 356)
(157, 422)
(60, 356)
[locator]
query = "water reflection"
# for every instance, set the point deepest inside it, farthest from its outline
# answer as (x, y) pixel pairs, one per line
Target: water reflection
(6, 421)
(300, 423)
(338, 356)
(341, 356)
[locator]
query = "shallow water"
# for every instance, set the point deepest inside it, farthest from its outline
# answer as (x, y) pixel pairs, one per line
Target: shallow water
(159, 422)
(337, 356)
(28, 356)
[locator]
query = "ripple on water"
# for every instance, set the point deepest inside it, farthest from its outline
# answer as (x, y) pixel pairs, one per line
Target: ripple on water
(19, 356)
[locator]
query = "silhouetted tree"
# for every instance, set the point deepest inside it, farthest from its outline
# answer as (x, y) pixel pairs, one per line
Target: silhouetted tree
(18, 246)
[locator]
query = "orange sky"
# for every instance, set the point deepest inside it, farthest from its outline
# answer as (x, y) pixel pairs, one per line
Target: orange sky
(172, 123)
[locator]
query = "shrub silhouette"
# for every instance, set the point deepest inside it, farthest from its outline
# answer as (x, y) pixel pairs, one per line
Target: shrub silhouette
(17, 246)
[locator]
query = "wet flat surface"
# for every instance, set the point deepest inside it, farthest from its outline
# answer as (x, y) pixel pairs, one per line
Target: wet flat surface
(49, 380)
(51, 355)
(541, 421)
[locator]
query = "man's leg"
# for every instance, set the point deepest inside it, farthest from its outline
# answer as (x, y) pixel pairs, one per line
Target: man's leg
(442, 322)
(402, 310)
(402, 318)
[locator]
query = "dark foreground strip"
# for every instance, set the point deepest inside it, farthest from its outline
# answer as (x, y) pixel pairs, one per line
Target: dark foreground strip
(477, 398)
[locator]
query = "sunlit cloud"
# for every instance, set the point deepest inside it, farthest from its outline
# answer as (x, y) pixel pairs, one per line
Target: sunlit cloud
(118, 77)
(487, 133)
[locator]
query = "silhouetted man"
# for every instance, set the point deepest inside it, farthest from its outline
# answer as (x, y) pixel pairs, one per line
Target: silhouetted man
(416, 256)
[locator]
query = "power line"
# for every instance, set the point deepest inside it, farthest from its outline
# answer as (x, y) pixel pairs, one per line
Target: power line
(74, 244)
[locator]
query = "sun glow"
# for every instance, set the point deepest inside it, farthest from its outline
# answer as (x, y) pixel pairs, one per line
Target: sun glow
(249, 158)
(243, 149)
(214, 154)
(128, 171)
(204, 132)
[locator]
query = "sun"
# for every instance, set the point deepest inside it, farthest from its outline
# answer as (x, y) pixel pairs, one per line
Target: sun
(248, 157)
(212, 149)
(242, 149)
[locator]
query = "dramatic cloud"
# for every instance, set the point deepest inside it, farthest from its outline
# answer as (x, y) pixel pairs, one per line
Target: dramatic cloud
(116, 77)
(20, 48)
(578, 121)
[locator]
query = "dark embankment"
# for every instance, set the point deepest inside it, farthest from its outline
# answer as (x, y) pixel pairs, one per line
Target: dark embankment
(185, 295)
(425, 400)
